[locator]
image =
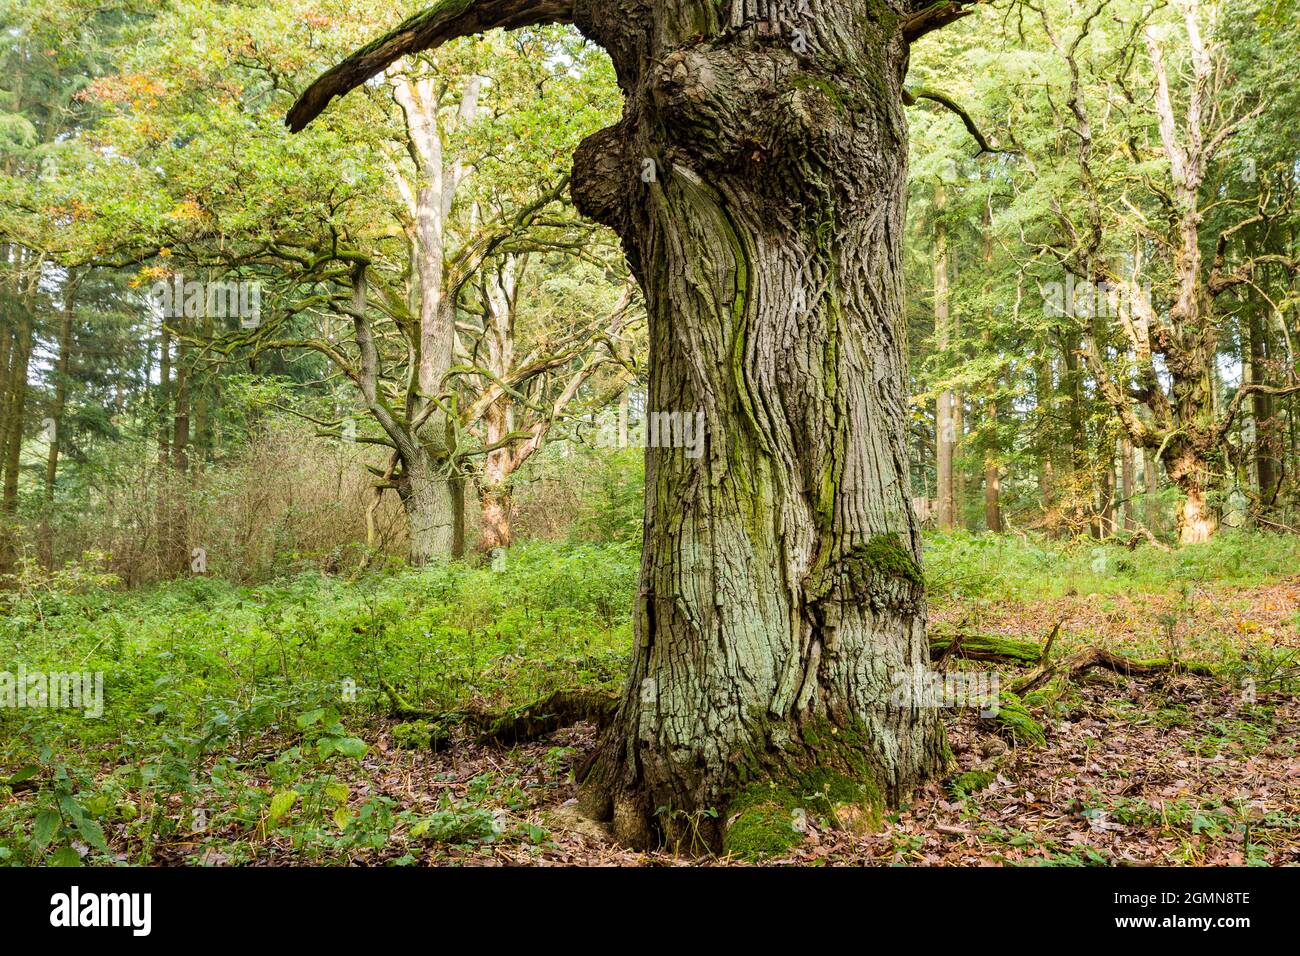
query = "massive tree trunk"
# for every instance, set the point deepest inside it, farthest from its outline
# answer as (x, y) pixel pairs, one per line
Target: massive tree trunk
(757, 181)
(780, 595)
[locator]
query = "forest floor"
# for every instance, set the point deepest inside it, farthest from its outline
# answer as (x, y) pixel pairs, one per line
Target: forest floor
(1171, 770)
(224, 739)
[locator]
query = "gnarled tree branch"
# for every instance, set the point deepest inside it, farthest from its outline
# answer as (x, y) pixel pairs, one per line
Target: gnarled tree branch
(928, 17)
(446, 20)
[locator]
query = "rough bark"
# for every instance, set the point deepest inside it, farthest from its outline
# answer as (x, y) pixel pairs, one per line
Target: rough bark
(1189, 470)
(428, 499)
(780, 594)
(757, 182)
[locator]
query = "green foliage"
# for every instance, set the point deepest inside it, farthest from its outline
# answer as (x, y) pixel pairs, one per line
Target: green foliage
(200, 671)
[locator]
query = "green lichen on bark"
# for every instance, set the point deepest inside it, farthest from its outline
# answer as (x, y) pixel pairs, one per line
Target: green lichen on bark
(761, 830)
(885, 554)
(859, 573)
(826, 777)
(809, 81)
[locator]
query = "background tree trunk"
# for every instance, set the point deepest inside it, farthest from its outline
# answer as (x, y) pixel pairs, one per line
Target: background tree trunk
(164, 393)
(1150, 489)
(54, 434)
(1267, 447)
(992, 488)
(946, 428)
(1128, 482)
(181, 406)
(14, 405)
(428, 498)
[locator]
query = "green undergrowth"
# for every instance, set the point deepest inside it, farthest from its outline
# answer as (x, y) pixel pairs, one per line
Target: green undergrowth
(220, 702)
(238, 717)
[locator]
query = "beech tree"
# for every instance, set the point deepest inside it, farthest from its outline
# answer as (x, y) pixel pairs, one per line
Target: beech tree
(756, 180)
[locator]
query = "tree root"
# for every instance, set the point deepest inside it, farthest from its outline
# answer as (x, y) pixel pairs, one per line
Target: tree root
(1143, 533)
(560, 709)
(518, 724)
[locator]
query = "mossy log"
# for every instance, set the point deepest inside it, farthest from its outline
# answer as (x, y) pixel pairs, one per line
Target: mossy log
(1077, 664)
(985, 647)
(560, 709)
(1014, 722)
(518, 724)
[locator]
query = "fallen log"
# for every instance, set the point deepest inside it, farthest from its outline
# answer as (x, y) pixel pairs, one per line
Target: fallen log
(1085, 660)
(562, 708)
(985, 647)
